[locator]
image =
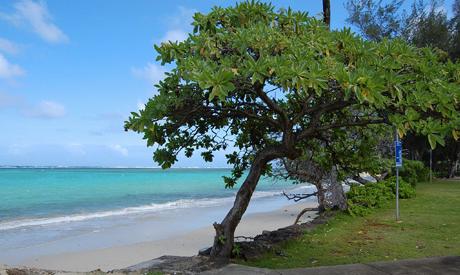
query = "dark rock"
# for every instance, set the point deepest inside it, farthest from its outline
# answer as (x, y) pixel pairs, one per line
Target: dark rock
(205, 251)
(270, 240)
(174, 265)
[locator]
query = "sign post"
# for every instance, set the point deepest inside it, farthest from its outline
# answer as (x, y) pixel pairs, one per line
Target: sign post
(431, 165)
(398, 163)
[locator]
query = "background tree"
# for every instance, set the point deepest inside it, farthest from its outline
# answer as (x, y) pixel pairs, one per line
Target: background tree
(454, 50)
(266, 82)
(330, 160)
(327, 13)
(326, 176)
(425, 24)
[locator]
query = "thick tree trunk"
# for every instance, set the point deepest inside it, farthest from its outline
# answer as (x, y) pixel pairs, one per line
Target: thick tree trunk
(336, 198)
(321, 196)
(225, 231)
(223, 241)
(330, 192)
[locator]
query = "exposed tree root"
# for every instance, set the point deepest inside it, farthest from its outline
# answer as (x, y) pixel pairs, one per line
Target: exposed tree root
(305, 211)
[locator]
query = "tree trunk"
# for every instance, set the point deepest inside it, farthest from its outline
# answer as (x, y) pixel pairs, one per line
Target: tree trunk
(321, 197)
(327, 13)
(336, 197)
(453, 169)
(225, 231)
(330, 192)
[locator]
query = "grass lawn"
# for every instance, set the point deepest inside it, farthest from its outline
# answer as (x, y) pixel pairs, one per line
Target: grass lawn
(430, 226)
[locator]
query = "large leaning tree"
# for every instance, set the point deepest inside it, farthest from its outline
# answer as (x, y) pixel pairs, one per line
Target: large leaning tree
(263, 83)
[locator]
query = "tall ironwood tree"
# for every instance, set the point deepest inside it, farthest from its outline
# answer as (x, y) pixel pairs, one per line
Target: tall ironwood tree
(266, 82)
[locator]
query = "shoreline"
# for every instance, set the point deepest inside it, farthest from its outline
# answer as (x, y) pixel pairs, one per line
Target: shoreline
(179, 244)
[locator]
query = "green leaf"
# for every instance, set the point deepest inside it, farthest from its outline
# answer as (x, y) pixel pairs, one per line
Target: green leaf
(432, 141)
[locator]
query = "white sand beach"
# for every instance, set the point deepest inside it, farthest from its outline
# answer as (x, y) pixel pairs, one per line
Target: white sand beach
(180, 244)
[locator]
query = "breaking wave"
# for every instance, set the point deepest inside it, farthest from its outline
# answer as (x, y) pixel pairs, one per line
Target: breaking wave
(149, 208)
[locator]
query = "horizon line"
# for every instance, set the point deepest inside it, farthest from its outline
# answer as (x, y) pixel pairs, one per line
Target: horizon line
(101, 167)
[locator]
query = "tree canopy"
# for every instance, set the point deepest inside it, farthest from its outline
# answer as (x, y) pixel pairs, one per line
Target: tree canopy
(267, 83)
(425, 25)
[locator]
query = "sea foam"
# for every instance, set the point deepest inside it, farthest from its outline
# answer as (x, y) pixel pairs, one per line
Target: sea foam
(149, 208)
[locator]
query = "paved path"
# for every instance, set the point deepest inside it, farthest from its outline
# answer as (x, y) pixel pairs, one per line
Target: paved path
(439, 265)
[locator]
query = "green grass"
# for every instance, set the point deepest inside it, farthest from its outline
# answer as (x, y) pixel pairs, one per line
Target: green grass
(430, 226)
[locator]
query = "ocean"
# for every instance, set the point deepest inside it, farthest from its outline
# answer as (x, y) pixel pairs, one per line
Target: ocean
(35, 197)
(43, 207)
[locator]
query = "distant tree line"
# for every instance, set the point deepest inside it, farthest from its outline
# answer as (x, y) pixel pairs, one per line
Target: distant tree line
(423, 24)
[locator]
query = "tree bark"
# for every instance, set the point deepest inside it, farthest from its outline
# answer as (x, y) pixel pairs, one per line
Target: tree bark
(327, 13)
(321, 196)
(453, 169)
(225, 231)
(330, 192)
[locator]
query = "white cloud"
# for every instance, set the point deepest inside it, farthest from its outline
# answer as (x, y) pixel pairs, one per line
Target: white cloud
(8, 70)
(179, 25)
(152, 72)
(183, 18)
(174, 36)
(36, 16)
(8, 47)
(119, 149)
(46, 109)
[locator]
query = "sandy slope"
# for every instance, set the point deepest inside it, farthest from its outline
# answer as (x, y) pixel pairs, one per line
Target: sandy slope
(182, 245)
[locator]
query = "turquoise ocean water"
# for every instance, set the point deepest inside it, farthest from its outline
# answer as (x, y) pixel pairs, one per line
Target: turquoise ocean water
(62, 210)
(40, 197)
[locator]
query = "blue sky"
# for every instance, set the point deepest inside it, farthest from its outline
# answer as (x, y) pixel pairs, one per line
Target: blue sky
(71, 71)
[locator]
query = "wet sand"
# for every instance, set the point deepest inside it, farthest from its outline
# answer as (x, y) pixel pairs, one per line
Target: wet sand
(177, 243)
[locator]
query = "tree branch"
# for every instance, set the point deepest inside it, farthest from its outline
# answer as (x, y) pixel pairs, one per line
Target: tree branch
(270, 103)
(316, 130)
(298, 197)
(350, 124)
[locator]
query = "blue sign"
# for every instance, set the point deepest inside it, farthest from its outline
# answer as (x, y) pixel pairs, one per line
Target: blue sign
(398, 153)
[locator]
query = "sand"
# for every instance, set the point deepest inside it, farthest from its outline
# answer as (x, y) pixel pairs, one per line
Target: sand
(186, 244)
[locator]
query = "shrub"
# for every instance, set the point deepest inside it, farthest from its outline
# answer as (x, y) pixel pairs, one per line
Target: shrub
(406, 190)
(362, 199)
(412, 171)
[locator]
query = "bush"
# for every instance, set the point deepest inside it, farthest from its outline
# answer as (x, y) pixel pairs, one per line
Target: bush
(406, 190)
(412, 171)
(362, 199)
